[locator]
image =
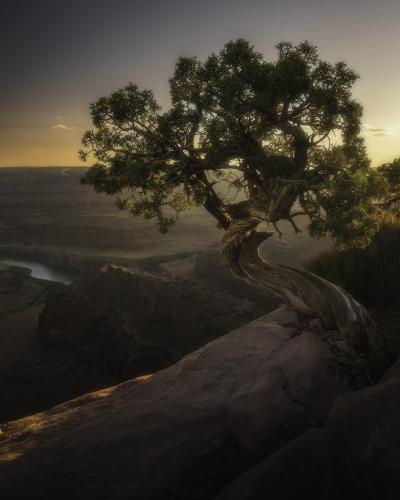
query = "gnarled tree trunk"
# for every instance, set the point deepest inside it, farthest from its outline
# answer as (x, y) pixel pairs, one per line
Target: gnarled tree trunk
(305, 292)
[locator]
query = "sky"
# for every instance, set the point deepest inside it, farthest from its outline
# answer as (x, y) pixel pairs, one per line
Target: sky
(58, 56)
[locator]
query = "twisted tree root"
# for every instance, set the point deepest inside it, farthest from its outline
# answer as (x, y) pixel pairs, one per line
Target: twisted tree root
(306, 293)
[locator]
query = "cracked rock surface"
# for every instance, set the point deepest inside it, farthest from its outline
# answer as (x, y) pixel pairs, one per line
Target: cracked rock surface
(185, 432)
(355, 455)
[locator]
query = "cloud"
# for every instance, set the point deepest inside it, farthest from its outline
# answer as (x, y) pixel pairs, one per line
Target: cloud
(376, 131)
(61, 126)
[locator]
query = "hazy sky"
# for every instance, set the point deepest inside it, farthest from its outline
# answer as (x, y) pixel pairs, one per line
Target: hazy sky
(57, 56)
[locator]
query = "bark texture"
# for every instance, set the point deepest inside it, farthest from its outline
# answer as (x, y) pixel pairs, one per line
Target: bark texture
(305, 292)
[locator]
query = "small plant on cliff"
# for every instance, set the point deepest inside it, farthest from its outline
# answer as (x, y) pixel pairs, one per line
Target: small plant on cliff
(252, 141)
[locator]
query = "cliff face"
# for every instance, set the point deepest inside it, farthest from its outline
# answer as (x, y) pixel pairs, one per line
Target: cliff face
(124, 323)
(26, 373)
(106, 327)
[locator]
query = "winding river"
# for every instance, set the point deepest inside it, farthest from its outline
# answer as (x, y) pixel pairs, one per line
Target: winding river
(42, 271)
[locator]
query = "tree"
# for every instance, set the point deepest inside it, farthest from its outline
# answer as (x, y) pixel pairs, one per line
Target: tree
(252, 141)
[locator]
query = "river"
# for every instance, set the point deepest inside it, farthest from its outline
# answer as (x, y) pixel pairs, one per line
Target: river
(42, 271)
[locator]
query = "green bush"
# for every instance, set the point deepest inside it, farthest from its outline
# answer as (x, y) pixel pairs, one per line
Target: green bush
(372, 274)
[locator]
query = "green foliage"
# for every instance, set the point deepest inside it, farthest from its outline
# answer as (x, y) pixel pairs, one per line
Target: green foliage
(348, 210)
(391, 173)
(282, 136)
(370, 274)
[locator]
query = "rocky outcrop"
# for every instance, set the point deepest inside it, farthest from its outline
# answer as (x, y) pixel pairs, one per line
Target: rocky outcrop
(266, 411)
(107, 327)
(123, 323)
(186, 431)
(29, 379)
(363, 432)
(356, 455)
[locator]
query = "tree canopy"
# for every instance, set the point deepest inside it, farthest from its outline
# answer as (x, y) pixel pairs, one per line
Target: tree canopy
(242, 135)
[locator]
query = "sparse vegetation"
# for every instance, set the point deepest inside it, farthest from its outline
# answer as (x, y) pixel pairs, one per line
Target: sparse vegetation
(370, 274)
